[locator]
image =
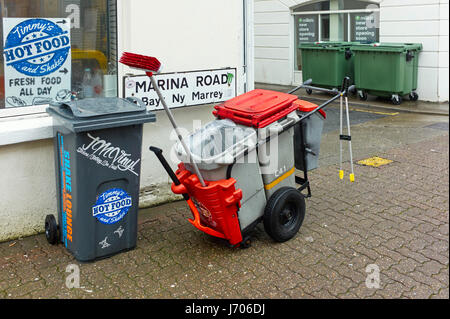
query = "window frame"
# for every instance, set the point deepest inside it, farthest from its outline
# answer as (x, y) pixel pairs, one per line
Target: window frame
(319, 14)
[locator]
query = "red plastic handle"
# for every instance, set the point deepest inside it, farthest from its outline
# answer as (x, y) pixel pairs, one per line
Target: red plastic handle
(196, 222)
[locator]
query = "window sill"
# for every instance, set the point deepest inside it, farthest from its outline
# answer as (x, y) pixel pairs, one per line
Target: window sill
(21, 129)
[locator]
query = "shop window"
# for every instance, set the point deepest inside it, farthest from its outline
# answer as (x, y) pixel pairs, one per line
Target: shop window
(35, 51)
(335, 20)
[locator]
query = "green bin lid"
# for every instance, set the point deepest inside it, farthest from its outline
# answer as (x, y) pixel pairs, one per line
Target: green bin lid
(100, 113)
(388, 47)
(328, 45)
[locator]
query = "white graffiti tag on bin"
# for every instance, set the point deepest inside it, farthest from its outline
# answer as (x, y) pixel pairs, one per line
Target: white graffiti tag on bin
(105, 154)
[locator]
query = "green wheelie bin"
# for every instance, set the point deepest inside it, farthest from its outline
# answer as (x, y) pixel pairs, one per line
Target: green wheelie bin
(387, 70)
(327, 63)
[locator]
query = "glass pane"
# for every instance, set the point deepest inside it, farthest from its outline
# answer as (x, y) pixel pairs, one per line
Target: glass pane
(325, 27)
(337, 24)
(358, 4)
(307, 30)
(92, 45)
(317, 6)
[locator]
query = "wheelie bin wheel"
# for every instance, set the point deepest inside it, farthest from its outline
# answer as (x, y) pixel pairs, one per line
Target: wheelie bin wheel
(51, 229)
(413, 96)
(309, 91)
(284, 214)
(396, 99)
(246, 243)
(362, 95)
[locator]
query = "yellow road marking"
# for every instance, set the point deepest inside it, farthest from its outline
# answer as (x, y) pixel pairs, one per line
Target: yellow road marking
(374, 112)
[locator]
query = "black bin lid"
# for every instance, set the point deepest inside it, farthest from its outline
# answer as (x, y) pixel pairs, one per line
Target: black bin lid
(100, 113)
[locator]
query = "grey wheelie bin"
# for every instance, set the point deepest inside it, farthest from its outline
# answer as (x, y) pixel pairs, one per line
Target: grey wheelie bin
(97, 145)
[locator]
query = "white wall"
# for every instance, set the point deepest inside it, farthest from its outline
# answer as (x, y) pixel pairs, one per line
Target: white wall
(185, 36)
(274, 41)
(424, 21)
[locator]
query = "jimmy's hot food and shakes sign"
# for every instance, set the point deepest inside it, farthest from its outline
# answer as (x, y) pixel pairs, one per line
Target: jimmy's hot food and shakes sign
(37, 60)
(183, 88)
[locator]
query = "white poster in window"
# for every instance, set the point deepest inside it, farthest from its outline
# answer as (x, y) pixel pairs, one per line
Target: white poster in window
(365, 28)
(37, 60)
(183, 88)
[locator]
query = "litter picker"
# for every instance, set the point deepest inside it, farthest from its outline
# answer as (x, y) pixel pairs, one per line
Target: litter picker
(343, 95)
(342, 137)
(151, 65)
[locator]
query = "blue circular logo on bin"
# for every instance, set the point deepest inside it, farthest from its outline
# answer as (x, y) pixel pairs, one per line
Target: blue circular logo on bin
(111, 206)
(37, 47)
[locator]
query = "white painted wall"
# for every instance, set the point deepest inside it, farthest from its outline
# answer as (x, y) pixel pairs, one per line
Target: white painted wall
(185, 36)
(424, 21)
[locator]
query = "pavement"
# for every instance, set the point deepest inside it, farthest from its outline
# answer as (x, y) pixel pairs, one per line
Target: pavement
(384, 236)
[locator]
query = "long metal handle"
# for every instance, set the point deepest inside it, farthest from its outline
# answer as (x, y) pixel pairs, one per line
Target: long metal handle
(175, 126)
(315, 88)
(170, 172)
(307, 82)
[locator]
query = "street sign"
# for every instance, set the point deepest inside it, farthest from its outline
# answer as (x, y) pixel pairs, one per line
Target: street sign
(183, 88)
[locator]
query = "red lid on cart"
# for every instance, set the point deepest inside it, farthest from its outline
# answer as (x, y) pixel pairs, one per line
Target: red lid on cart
(305, 106)
(257, 108)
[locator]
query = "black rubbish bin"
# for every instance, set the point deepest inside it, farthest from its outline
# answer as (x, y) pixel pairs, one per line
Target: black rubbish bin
(97, 145)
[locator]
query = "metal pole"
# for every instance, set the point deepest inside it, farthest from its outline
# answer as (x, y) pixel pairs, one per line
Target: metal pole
(341, 171)
(174, 124)
(352, 175)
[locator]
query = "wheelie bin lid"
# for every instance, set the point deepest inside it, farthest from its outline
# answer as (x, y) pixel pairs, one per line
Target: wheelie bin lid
(329, 45)
(218, 142)
(388, 47)
(257, 108)
(100, 113)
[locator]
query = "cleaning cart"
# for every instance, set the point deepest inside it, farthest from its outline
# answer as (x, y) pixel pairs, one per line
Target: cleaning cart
(239, 169)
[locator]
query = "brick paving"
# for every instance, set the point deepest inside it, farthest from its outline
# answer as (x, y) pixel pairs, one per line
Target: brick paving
(395, 217)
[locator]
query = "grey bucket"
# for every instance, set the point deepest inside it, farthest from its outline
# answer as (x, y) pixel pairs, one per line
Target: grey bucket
(312, 134)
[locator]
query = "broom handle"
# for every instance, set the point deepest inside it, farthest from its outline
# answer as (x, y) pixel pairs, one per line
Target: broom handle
(174, 124)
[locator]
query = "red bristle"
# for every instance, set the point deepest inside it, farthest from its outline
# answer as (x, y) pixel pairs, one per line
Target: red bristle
(140, 62)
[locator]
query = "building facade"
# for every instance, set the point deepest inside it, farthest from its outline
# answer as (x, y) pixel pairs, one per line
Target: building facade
(280, 25)
(186, 36)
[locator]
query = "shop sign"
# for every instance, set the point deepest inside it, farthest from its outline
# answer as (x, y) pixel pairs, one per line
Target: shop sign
(183, 88)
(37, 60)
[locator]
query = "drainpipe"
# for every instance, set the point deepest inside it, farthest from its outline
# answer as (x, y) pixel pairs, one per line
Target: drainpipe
(244, 11)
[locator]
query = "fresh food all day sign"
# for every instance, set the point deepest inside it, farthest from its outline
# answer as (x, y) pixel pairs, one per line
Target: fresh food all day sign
(37, 60)
(183, 88)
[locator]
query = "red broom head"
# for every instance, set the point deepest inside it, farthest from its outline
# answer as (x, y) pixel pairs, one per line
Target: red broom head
(141, 62)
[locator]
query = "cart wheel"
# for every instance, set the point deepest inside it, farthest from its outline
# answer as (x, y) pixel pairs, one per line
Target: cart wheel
(362, 95)
(246, 243)
(396, 99)
(309, 91)
(413, 96)
(51, 229)
(284, 214)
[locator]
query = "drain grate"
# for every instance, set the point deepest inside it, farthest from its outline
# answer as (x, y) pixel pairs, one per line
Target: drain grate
(374, 161)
